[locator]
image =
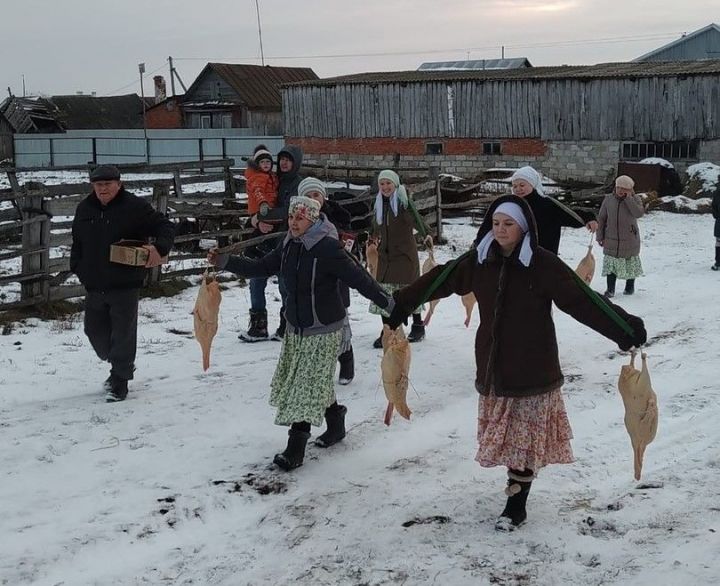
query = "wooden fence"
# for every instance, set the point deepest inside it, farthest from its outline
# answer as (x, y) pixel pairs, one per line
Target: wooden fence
(43, 242)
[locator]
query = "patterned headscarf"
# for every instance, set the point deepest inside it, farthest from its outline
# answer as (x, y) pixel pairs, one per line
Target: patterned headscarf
(304, 206)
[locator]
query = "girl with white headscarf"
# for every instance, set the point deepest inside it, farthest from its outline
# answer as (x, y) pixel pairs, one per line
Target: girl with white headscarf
(522, 422)
(550, 215)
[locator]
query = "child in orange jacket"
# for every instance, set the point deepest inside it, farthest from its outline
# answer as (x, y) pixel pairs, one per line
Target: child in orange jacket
(262, 192)
(262, 183)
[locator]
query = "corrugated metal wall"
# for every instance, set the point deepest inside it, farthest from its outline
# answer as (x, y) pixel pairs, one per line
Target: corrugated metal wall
(129, 146)
(653, 108)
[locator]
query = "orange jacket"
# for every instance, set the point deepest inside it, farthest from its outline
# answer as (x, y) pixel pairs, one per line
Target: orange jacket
(261, 188)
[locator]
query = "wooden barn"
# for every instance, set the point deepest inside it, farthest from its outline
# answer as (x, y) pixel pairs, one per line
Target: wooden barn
(228, 95)
(574, 122)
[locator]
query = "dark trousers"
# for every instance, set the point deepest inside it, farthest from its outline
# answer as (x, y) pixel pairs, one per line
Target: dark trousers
(111, 327)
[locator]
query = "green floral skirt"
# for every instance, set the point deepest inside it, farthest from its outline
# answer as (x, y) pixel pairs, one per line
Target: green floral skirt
(303, 385)
(623, 268)
(390, 288)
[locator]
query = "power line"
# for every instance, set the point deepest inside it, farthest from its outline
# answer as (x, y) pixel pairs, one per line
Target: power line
(633, 38)
(133, 83)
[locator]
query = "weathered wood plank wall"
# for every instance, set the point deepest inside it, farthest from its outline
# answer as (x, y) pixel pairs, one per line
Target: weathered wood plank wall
(645, 109)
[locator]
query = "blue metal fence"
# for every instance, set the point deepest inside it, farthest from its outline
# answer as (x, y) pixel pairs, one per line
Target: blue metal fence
(79, 147)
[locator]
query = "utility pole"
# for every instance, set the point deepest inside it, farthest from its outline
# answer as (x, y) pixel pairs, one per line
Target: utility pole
(172, 76)
(262, 54)
(141, 69)
(23, 79)
(502, 52)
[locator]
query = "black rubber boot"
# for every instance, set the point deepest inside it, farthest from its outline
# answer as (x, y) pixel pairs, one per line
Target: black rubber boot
(518, 488)
(294, 453)
(611, 280)
(280, 332)
(716, 266)
(629, 287)
(347, 367)
(257, 332)
(118, 389)
(417, 331)
(335, 432)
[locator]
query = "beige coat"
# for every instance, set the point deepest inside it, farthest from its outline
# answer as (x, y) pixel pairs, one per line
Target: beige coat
(618, 231)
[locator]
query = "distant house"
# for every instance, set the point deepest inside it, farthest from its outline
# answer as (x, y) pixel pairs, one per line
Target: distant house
(703, 43)
(476, 64)
(166, 114)
(75, 112)
(6, 139)
(240, 96)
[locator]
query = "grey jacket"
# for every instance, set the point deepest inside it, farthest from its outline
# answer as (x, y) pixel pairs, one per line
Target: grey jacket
(617, 225)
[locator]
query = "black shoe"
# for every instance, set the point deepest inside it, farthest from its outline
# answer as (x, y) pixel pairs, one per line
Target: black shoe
(347, 367)
(378, 341)
(118, 390)
(257, 332)
(611, 280)
(715, 267)
(629, 287)
(294, 454)
(335, 432)
(514, 513)
(417, 333)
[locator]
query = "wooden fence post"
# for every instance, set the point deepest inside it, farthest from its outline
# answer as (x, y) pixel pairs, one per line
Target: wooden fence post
(35, 237)
(161, 194)
(177, 183)
(230, 185)
(434, 174)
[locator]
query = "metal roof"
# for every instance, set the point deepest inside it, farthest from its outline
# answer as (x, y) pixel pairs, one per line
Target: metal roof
(257, 86)
(482, 64)
(679, 41)
(580, 72)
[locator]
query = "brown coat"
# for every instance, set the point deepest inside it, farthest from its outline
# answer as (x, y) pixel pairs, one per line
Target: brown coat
(516, 350)
(617, 225)
(398, 261)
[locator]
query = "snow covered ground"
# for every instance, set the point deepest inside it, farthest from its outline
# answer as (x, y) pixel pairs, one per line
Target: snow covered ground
(174, 486)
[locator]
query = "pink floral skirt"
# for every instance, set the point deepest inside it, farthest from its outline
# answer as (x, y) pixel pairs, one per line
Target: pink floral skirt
(523, 432)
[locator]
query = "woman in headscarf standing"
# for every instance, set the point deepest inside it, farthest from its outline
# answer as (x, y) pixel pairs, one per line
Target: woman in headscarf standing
(619, 235)
(313, 263)
(398, 261)
(550, 214)
(522, 422)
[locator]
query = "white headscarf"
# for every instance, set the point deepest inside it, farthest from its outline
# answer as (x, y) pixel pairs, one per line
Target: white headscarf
(531, 176)
(515, 212)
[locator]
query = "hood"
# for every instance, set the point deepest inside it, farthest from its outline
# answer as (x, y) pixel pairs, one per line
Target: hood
(296, 153)
(527, 212)
(319, 230)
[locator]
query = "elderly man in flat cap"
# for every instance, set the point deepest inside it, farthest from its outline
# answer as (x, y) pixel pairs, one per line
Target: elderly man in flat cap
(107, 215)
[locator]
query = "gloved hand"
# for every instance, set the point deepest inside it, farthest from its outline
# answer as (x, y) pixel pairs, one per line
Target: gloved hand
(397, 316)
(639, 336)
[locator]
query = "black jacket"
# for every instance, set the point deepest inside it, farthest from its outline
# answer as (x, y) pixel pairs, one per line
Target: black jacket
(312, 266)
(289, 181)
(716, 211)
(550, 217)
(340, 218)
(95, 227)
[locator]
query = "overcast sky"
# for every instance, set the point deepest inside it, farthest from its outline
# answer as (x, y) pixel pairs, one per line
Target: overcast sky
(66, 46)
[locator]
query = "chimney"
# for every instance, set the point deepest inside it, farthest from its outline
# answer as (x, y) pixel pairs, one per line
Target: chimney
(160, 89)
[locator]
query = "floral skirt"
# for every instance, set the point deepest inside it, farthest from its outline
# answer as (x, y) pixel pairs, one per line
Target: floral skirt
(523, 432)
(303, 385)
(624, 268)
(390, 288)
